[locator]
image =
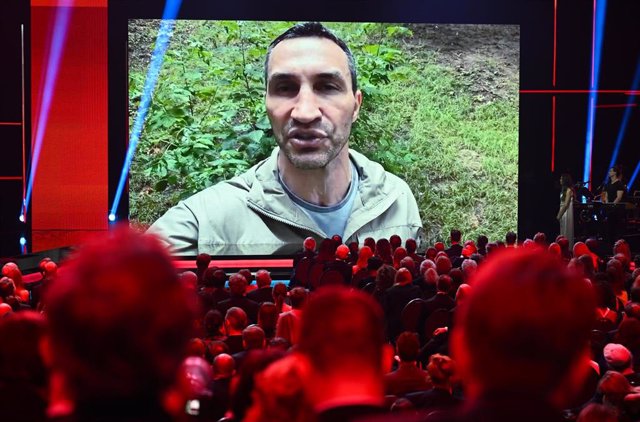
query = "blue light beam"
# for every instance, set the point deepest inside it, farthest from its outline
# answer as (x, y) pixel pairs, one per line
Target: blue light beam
(625, 122)
(167, 24)
(600, 7)
(59, 36)
(633, 177)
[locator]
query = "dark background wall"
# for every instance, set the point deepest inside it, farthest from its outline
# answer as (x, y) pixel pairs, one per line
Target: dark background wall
(13, 15)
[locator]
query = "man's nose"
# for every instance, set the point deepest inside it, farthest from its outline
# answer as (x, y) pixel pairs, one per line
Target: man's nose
(306, 108)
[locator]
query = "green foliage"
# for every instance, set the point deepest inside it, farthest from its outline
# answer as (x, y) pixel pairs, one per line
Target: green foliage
(208, 122)
(419, 119)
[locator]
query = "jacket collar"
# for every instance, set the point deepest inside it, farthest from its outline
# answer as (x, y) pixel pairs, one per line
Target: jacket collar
(374, 197)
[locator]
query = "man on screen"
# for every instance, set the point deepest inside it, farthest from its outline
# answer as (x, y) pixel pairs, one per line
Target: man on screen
(312, 184)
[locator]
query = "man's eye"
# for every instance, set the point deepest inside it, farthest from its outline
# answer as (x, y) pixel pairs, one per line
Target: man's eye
(329, 87)
(284, 89)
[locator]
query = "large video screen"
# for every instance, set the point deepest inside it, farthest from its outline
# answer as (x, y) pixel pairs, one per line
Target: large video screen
(439, 110)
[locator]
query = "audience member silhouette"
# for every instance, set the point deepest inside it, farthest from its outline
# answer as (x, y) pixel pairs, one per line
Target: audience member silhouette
(522, 359)
(119, 322)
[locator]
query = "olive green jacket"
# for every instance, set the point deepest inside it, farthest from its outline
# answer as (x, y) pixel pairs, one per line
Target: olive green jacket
(251, 214)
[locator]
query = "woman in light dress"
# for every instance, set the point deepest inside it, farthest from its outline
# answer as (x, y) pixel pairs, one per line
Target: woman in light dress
(565, 213)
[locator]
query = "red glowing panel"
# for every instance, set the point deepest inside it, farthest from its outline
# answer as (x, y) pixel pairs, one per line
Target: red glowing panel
(553, 134)
(70, 192)
(74, 3)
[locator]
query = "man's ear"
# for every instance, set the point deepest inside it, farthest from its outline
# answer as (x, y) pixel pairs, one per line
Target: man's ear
(358, 104)
(388, 353)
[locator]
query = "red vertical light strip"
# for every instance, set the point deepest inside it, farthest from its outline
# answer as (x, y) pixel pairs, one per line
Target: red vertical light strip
(593, 45)
(553, 103)
(69, 202)
(553, 134)
(555, 39)
(24, 140)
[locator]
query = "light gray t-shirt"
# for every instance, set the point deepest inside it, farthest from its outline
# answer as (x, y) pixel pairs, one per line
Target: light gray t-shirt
(332, 220)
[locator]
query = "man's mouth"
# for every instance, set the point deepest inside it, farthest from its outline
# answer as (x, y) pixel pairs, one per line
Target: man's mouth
(307, 138)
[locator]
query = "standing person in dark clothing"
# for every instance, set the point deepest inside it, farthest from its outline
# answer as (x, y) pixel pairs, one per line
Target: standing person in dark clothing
(481, 244)
(614, 191)
(238, 289)
(455, 250)
(202, 263)
(212, 291)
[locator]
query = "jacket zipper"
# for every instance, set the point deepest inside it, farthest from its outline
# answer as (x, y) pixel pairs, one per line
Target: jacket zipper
(281, 220)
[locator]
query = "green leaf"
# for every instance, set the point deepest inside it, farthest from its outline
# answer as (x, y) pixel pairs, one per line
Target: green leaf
(160, 185)
(263, 123)
(254, 135)
(371, 48)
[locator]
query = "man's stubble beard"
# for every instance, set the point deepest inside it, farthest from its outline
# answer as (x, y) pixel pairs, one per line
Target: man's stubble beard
(317, 159)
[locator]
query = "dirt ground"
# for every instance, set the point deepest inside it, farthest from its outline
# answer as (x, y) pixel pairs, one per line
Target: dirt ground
(488, 54)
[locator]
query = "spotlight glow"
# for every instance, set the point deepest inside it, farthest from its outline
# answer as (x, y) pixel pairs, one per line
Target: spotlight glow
(23, 241)
(625, 121)
(633, 177)
(112, 217)
(59, 35)
(21, 218)
(599, 9)
(167, 24)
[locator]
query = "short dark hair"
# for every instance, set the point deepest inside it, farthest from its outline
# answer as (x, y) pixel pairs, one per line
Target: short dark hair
(313, 29)
(510, 238)
(298, 296)
(540, 238)
(268, 317)
(237, 284)
(408, 346)
(443, 284)
(253, 337)
(202, 261)
(237, 318)
(214, 277)
(456, 235)
(617, 169)
(374, 263)
(385, 277)
(212, 322)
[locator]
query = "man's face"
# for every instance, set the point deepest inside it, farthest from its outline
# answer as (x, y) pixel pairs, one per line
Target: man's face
(309, 100)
